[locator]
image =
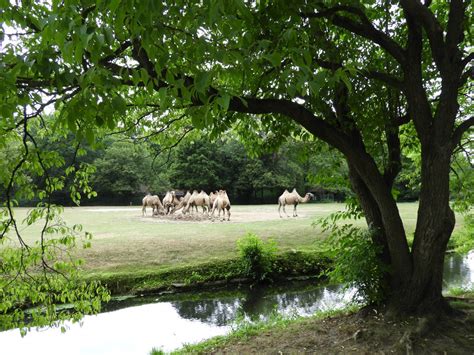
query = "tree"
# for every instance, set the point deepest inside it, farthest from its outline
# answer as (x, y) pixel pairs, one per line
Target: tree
(124, 171)
(354, 75)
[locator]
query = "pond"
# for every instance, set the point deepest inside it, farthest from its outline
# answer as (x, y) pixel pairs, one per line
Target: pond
(136, 325)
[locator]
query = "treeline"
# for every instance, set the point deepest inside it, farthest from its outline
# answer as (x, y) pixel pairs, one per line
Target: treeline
(127, 169)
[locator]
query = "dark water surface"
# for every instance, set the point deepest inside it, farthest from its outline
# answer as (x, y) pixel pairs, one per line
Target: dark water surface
(136, 325)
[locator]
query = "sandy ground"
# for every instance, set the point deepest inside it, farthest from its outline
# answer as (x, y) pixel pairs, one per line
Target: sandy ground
(238, 214)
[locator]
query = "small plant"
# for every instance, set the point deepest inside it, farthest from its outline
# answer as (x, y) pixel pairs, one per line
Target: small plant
(256, 256)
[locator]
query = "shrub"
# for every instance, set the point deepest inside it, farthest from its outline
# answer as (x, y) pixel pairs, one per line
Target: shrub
(256, 256)
(357, 264)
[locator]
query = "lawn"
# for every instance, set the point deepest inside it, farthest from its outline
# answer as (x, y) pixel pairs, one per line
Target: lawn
(124, 241)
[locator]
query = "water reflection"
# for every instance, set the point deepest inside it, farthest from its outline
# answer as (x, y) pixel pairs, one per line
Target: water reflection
(296, 299)
(134, 326)
(459, 271)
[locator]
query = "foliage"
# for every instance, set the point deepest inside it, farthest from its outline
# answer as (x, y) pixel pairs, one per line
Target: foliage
(462, 180)
(37, 277)
(357, 263)
(461, 291)
(256, 256)
(355, 257)
(124, 169)
(463, 240)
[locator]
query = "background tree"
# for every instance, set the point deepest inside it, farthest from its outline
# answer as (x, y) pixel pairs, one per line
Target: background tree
(124, 173)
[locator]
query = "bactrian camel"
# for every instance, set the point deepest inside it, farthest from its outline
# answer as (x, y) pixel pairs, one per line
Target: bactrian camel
(170, 201)
(212, 197)
(292, 198)
(198, 199)
(221, 203)
(183, 201)
(152, 201)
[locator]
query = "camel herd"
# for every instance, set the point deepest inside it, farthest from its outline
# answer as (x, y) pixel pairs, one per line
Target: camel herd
(217, 200)
(189, 203)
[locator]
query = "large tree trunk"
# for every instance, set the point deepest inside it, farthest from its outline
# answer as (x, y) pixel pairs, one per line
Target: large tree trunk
(380, 192)
(417, 290)
(435, 224)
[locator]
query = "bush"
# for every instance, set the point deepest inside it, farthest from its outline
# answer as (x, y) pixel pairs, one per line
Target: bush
(257, 257)
(357, 264)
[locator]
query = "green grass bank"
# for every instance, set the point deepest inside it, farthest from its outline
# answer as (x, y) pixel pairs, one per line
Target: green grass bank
(136, 254)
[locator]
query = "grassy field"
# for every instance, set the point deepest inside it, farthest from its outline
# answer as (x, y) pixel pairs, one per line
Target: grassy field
(125, 241)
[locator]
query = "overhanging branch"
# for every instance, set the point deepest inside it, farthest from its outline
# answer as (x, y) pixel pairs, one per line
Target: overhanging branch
(363, 27)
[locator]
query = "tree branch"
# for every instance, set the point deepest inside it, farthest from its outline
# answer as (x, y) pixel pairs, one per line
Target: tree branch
(434, 31)
(363, 28)
(468, 74)
(386, 78)
(316, 125)
(125, 45)
(455, 29)
(467, 59)
(461, 129)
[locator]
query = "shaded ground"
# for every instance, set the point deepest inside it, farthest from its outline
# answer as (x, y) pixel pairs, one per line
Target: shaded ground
(369, 334)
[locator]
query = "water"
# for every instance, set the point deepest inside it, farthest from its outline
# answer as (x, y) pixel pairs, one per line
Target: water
(459, 271)
(136, 325)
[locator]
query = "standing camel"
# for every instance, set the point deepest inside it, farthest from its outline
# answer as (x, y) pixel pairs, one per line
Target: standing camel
(198, 199)
(222, 203)
(292, 198)
(153, 202)
(212, 197)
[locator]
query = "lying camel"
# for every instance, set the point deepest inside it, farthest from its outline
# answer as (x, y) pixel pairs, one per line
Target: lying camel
(183, 201)
(153, 202)
(292, 198)
(198, 199)
(222, 203)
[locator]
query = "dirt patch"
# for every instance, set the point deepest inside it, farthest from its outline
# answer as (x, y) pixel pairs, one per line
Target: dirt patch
(179, 217)
(236, 217)
(371, 334)
(239, 214)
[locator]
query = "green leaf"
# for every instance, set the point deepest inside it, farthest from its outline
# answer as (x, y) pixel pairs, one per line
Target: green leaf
(223, 101)
(90, 136)
(201, 81)
(71, 122)
(274, 58)
(113, 5)
(346, 80)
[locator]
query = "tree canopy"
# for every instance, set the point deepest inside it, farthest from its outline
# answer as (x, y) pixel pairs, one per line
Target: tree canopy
(368, 78)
